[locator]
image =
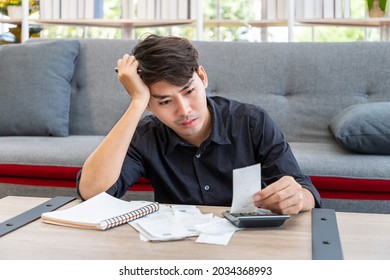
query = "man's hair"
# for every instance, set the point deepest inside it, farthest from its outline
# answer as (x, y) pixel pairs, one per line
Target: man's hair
(166, 58)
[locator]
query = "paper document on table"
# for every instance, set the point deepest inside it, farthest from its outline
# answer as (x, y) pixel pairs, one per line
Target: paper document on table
(171, 223)
(246, 182)
(219, 231)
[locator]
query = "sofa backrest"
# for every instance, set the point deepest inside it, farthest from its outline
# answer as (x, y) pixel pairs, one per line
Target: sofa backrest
(301, 85)
(98, 99)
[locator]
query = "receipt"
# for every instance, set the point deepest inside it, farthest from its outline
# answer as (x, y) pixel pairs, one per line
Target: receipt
(246, 182)
(219, 231)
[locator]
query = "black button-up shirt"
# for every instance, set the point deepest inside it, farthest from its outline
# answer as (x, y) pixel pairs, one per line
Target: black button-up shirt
(242, 135)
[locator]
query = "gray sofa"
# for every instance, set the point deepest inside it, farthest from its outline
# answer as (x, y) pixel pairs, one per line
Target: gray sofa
(308, 88)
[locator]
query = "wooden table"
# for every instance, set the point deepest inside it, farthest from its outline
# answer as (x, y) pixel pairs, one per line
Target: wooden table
(363, 236)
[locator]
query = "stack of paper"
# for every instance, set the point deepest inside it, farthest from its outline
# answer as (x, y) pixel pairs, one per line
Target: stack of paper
(181, 221)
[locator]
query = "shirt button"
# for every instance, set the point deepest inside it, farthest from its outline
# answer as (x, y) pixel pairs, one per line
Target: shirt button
(197, 155)
(206, 188)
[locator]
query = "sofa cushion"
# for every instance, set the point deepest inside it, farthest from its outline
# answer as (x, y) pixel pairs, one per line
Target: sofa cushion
(331, 160)
(364, 128)
(47, 151)
(35, 87)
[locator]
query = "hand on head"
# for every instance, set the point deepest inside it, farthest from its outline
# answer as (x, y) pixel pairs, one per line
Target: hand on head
(129, 76)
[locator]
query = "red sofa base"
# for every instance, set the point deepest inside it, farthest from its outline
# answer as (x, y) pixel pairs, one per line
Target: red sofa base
(352, 188)
(50, 176)
(57, 176)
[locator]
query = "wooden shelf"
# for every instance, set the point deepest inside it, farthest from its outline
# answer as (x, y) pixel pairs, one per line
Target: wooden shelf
(367, 22)
(134, 23)
(115, 23)
(268, 23)
(11, 21)
(224, 23)
(239, 23)
(122, 23)
(128, 25)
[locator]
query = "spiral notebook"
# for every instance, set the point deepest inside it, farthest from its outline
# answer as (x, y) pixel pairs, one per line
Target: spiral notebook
(101, 212)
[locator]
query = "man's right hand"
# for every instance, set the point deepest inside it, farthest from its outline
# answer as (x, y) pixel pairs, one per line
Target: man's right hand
(129, 76)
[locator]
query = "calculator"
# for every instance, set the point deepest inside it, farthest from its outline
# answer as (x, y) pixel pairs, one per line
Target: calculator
(260, 218)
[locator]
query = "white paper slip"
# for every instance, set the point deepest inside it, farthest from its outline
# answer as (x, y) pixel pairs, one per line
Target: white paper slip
(216, 226)
(190, 222)
(216, 239)
(246, 182)
(188, 209)
(219, 232)
(161, 229)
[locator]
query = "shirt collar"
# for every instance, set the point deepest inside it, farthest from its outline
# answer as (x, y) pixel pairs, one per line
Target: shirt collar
(218, 131)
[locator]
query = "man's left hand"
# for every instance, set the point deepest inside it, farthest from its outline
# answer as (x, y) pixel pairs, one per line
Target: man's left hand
(284, 196)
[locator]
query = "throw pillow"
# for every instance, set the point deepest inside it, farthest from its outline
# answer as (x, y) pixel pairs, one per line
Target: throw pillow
(35, 87)
(364, 128)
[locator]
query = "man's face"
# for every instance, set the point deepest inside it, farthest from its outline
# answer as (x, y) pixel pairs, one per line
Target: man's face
(183, 109)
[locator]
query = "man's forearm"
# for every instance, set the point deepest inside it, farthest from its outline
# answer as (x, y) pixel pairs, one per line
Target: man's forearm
(103, 166)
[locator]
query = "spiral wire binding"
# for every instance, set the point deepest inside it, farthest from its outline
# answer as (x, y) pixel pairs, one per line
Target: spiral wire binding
(133, 215)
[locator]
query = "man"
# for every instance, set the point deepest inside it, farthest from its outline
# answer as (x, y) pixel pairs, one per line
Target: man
(190, 144)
